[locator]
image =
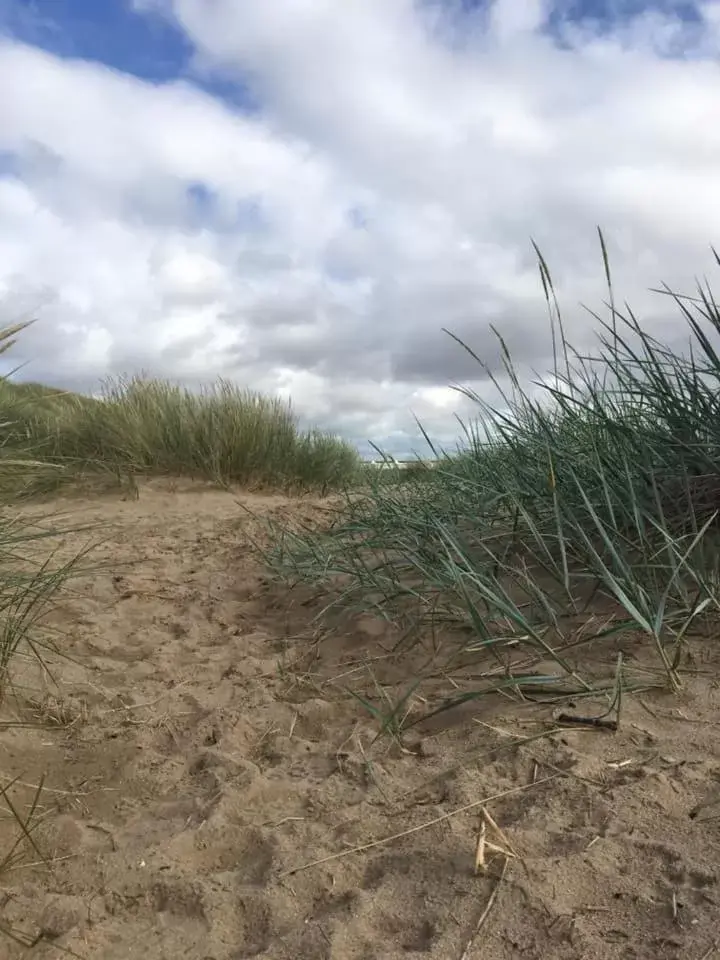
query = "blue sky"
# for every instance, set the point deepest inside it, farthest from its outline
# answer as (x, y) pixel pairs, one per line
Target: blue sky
(153, 47)
(109, 31)
(300, 194)
(143, 43)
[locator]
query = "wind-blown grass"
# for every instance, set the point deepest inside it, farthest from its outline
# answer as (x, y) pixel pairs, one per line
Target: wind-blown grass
(583, 508)
(152, 427)
(30, 577)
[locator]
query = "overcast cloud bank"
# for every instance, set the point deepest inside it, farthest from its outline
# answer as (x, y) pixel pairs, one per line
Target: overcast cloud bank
(314, 189)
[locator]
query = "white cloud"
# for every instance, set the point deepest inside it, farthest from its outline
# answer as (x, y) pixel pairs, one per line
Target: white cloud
(388, 185)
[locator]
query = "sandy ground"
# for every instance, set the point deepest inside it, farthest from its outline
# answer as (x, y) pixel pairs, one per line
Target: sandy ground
(201, 755)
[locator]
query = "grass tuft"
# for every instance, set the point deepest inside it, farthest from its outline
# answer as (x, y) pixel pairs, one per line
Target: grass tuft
(144, 427)
(30, 577)
(581, 514)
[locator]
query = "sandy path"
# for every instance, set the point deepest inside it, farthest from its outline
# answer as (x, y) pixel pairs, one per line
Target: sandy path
(195, 768)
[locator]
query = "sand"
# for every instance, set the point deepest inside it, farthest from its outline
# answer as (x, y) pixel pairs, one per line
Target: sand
(201, 754)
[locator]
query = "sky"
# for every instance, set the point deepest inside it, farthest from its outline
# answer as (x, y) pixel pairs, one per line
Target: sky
(299, 195)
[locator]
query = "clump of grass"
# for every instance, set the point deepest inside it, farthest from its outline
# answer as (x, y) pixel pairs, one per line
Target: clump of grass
(583, 507)
(155, 428)
(23, 845)
(30, 577)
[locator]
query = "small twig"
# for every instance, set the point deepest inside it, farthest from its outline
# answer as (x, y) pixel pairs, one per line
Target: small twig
(108, 833)
(601, 722)
(41, 863)
(480, 848)
(501, 833)
(648, 709)
(587, 722)
(278, 823)
(485, 914)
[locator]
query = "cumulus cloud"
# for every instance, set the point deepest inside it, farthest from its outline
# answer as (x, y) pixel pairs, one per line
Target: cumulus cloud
(393, 162)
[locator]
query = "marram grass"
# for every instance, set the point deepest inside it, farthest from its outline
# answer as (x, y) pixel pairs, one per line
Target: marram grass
(151, 427)
(582, 514)
(30, 577)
